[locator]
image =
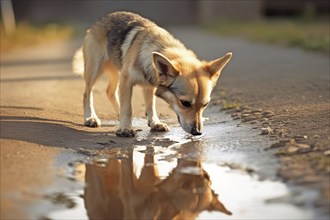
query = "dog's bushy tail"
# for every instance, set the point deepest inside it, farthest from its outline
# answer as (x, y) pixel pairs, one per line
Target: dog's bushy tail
(78, 62)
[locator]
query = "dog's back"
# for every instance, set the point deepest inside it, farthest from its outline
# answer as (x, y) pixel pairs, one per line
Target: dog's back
(113, 30)
(115, 33)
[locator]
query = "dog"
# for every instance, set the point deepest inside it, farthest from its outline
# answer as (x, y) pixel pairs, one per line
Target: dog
(113, 191)
(133, 50)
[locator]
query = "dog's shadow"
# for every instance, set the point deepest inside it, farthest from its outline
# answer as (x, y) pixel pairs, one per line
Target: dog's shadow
(54, 133)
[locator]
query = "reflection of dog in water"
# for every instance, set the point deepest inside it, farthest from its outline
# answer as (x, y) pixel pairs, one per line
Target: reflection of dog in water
(114, 191)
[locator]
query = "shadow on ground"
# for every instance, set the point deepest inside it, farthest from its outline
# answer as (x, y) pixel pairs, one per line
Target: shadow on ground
(56, 133)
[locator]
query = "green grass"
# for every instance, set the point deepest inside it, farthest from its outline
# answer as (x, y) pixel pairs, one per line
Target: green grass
(309, 35)
(28, 35)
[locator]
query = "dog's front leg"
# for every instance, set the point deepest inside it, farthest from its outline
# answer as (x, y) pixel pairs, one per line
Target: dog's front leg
(125, 99)
(153, 120)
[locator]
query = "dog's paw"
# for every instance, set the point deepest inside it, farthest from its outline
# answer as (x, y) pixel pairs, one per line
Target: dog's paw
(93, 122)
(159, 127)
(125, 132)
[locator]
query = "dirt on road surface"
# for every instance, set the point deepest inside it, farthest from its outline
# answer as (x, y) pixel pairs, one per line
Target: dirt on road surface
(275, 92)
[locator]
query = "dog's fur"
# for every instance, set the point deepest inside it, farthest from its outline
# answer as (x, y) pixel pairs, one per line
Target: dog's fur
(115, 192)
(133, 50)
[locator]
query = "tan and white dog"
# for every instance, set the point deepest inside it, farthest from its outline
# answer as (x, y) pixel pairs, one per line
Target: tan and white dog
(133, 50)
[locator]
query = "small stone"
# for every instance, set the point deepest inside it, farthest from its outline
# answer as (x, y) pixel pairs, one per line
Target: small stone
(292, 149)
(250, 118)
(264, 120)
(267, 114)
(288, 141)
(236, 118)
(316, 136)
(256, 111)
(282, 143)
(281, 132)
(266, 131)
(300, 137)
(245, 115)
(238, 110)
(303, 146)
(327, 153)
(265, 124)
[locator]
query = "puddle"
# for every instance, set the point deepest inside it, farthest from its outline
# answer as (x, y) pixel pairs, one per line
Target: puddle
(143, 183)
(136, 122)
(176, 176)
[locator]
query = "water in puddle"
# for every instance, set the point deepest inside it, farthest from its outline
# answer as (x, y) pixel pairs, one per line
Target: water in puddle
(220, 175)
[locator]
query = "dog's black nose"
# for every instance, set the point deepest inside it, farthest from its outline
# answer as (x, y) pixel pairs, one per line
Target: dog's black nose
(194, 131)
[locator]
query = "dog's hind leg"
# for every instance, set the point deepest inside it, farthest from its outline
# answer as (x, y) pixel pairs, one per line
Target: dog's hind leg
(112, 90)
(153, 120)
(91, 119)
(93, 69)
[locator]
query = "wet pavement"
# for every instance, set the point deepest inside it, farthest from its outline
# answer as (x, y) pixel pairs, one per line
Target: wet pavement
(168, 175)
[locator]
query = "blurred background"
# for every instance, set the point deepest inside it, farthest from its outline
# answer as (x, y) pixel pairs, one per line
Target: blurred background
(303, 23)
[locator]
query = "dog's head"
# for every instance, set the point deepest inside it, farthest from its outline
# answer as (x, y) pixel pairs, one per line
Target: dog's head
(186, 83)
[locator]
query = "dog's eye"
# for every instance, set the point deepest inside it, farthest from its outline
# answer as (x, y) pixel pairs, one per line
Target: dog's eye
(205, 105)
(186, 104)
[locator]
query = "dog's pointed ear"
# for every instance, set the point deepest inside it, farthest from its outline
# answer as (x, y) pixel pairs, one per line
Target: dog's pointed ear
(215, 67)
(164, 66)
(216, 205)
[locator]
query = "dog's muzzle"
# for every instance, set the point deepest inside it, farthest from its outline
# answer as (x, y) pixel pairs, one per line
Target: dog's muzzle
(189, 128)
